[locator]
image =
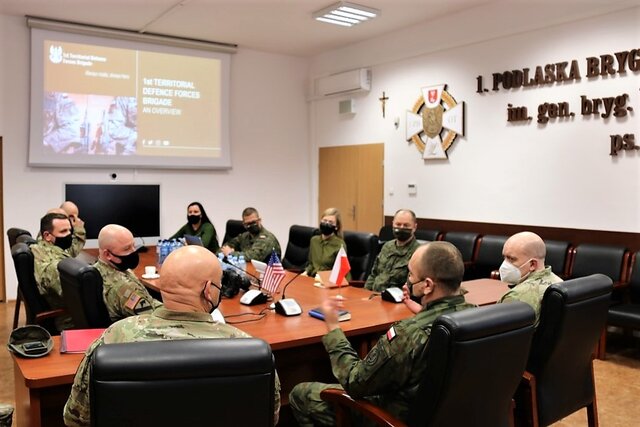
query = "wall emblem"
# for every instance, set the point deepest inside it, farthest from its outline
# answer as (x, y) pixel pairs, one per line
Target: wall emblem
(55, 54)
(434, 122)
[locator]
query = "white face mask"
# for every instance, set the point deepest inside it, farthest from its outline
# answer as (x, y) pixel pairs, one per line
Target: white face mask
(509, 273)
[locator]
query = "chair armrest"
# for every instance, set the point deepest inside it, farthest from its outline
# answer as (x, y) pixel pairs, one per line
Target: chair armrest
(357, 283)
(343, 401)
(50, 314)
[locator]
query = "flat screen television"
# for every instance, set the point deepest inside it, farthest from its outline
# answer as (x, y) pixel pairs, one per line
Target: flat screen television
(135, 206)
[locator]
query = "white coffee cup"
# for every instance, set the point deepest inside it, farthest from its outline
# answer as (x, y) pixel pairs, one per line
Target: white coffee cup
(150, 270)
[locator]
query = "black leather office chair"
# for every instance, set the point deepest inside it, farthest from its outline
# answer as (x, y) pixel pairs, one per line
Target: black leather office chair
(488, 258)
(296, 254)
(36, 308)
(82, 292)
(466, 242)
(233, 228)
(362, 249)
(190, 382)
(384, 235)
(626, 314)
(427, 235)
(15, 235)
(474, 362)
(590, 259)
(559, 377)
(559, 254)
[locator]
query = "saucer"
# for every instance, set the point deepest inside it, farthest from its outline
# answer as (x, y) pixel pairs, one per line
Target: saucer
(150, 276)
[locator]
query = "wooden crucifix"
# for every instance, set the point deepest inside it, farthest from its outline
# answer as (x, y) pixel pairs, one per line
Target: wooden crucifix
(384, 102)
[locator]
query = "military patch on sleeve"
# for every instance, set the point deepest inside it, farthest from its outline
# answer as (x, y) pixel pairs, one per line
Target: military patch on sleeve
(133, 301)
(391, 334)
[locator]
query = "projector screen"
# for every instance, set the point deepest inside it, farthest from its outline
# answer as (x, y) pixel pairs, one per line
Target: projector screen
(110, 102)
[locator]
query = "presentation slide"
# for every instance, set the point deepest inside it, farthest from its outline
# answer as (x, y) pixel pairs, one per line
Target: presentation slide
(120, 106)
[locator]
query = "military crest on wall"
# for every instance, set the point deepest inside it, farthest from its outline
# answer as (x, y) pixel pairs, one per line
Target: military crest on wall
(434, 122)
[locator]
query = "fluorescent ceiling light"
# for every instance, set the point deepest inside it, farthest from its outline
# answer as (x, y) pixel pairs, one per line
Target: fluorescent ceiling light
(345, 14)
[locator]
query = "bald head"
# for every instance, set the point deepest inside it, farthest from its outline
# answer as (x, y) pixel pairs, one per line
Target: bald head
(524, 246)
(184, 275)
(70, 208)
(57, 211)
(114, 240)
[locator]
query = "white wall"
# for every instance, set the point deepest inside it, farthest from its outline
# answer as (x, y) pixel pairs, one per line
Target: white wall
(558, 175)
(269, 150)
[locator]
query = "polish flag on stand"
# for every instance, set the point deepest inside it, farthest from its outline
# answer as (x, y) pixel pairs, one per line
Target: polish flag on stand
(340, 268)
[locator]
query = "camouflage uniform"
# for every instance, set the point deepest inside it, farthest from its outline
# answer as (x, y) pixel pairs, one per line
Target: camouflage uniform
(162, 324)
(79, 239)
(255, 247)
(61, 124)
(46, 257)
(124, 295)
(322, 253)
(388, 376)
(531, 290)
(206, 232)
(390, 267)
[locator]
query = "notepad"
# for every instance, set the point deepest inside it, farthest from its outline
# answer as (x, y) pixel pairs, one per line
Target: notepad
(318, 314)
(78, 340)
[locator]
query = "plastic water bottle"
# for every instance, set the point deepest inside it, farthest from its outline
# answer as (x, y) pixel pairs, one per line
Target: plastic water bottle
(242, 264)
(222, 263)
(158, 257)
(164, 251)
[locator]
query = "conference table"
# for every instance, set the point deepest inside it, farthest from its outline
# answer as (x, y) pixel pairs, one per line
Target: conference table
(42, 385)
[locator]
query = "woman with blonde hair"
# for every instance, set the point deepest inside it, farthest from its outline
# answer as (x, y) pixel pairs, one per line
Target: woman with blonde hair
(324, 248)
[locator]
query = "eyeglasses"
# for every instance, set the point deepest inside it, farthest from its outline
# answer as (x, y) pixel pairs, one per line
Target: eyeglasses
(218, 287)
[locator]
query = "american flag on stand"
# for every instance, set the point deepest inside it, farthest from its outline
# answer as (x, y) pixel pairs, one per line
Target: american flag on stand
(273, 274)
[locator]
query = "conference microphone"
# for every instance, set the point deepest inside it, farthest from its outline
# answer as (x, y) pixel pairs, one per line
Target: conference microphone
(288, 306)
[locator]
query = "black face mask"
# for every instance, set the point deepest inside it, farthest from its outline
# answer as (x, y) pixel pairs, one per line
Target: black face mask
(65, 242)
(213, 306)
(253, 228)
(193, 219)
(402, 234)
(327, 229)
(127, 261)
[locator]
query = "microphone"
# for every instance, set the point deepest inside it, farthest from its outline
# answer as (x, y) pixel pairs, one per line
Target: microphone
(288, 306)
(226, 261)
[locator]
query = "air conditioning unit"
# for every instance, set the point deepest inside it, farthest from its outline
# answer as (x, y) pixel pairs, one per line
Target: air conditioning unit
(347, 82)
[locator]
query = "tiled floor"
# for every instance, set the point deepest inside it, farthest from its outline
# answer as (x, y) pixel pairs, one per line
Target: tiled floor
(617, 378)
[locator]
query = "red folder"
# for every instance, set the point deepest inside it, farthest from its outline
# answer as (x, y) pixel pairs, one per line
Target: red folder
(78, 340)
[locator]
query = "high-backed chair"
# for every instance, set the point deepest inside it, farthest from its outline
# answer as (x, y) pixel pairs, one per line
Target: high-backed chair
(427, 235)
(36, 308)
(474, 362)
(466, 242)
(627, 314)
(15, 235)
(384, 235)
(489, 256)
(189, 382)
(296, 254)
(608, 260)
(232, 229)
(26, 238)
(559, 255)
(82, 292)
(559, 377)
(362, 249)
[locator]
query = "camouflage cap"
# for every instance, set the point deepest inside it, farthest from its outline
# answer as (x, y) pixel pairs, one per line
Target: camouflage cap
(30, 341)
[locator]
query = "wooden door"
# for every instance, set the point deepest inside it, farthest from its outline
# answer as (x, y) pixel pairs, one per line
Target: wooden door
(351, 178)
(3, 289)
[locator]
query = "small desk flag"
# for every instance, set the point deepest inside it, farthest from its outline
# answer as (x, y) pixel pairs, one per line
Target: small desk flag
(341, 267)
(273, 274)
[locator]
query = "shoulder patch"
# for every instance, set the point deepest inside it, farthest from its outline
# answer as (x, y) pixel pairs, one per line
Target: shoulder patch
(262, 236)
(391, 334)
(132, 301)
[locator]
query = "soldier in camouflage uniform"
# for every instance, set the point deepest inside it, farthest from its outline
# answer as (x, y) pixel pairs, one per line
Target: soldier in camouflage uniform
(77, 226)
(523, 268)
(255, 243)
(61, 123)
(52, 247)
(390, 266)
(190, 287)
(124, 295)
(390, 374)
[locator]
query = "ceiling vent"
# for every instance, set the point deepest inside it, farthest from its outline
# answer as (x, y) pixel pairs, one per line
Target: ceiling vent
(347, 82)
